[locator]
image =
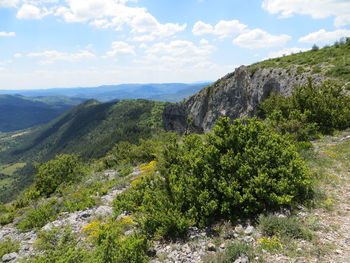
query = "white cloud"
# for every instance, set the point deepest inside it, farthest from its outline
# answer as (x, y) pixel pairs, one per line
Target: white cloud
(9, 3)
(29, 12)
(222, 29)
(201, 28)
(180, 48)
(317, 9)
(115, 14)
(286, 52)
(52, 56)
(7, 34)
(119, 47)
(143, 38)
(228, 28)
(258, 38)
(322, 36)
(204, 41)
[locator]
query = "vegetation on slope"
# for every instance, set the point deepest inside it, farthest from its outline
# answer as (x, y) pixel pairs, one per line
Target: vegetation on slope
(332, 61)
(309, 111)
(18, 112)
(90, 130)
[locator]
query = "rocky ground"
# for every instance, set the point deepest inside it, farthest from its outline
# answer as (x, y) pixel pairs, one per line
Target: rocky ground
(329, 221)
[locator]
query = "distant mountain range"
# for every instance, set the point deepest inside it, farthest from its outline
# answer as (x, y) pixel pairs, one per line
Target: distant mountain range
(170, 92)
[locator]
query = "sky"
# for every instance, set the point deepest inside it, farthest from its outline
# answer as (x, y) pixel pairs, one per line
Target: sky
(83, 43)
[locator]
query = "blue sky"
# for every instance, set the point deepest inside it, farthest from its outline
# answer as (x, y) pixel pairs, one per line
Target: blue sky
(70, 43)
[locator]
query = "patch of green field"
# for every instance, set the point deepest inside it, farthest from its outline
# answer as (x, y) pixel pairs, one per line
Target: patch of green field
(11, 168)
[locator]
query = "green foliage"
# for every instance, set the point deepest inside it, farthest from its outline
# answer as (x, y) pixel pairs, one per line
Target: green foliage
(90, 130)
(237, 170)
(153, 207)
(64, 169)
(126, 153)
(7, 218)
(8, 246)
(39, 216)
(309, 110)
(59, 246)
(236, 249)
(18, 112)
(335, 60)
(291, 227)
(113, 247)
(79, 200)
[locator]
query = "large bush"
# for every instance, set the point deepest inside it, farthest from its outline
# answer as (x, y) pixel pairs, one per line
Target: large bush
(64, 169)
(239, 169)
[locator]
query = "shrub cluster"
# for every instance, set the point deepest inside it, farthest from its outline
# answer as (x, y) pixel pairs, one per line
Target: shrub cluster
(309, 110)
(64, 169)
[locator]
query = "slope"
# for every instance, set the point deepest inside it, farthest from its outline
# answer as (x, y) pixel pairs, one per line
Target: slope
(19, 112)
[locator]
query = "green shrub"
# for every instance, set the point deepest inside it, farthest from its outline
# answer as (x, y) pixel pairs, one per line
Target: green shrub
(64, 169)
(125, 153)
(236, 249)
(157, 214)
(39, 216)
(8, 246)
(7, 218)
(79, 200)
(239, 169)
(291, 227)
(310, 109)
(60, 246)
(316, 69)
(112, 246)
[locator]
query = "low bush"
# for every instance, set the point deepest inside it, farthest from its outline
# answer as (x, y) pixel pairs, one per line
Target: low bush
(79, 200)
(113, 246)
(234, 250)
(8, 246)
(7, 218)
(60, 246)
(64, 169)
(39, 216)
(291, 227)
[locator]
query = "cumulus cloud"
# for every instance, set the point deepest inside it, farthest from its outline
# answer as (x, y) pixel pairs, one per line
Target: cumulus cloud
(339, 9)
(7, 34)
(222, 29)
(99, 13)
(52, 56)
(258, 38)
(286, 52)
(115, 14)
(119, 47)
(322, 36)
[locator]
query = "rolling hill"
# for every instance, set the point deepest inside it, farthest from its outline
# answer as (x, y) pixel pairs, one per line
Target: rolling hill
(18, 112)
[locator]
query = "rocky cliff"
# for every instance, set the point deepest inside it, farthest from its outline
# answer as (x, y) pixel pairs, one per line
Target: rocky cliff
(236, 96)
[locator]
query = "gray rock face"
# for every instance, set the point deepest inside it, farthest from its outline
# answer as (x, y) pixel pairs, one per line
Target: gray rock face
(236, 96)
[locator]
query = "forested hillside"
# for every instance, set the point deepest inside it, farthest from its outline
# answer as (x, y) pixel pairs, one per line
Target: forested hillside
(90, 130)
(18, 112)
